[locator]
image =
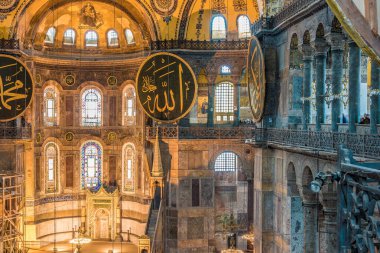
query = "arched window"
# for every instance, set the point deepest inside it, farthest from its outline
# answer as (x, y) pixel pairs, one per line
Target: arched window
(113, 38)
(225, 70)
(244, 27)
(91, 39)
(224, 102)
(51, 167)
(218, 28)
(50, 35)
(128, 167)
(91, 108)
(69, 37)
(226, 161)
(130, 106)
(51, 103)
(129, 36)
(91, 165)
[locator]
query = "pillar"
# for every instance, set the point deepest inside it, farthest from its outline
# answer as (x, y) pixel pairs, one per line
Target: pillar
(310, 226)
(307, 79)
(336, 40)
(320, 59)
(374, 99)
(329, 230)
(237, 105)
(210, 112)
(354, 86)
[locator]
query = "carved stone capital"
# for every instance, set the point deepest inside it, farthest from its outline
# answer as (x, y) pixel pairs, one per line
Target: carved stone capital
(307, 51)
(336, 40)
(320, 46)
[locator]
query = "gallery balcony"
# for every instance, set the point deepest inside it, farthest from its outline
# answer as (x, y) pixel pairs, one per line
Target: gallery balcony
(12, 133)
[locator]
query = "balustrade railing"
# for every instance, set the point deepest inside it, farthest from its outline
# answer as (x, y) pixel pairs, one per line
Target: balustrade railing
(199, 45)
(15, 132)
(199, 132)
(9, 44)
(365, 145)
(359, 205)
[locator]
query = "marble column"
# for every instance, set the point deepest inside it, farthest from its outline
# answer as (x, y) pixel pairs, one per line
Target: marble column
(210, 111)
(307, 79)
(237, 105)
(329, 230)
(374, 99)
(310, 226)
(354, 86)
(337, 43)
(321, 47)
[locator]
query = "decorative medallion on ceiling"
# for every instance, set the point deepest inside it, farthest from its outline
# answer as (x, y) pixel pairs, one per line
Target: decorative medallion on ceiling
(219, 7)
(164, 8)
(6, 6)
(240, 5)
(89, 18)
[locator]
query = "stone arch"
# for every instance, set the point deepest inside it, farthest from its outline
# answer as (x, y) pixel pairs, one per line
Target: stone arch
(306, 38)
(295, 56)
(336, 26)
(292, 180)
(320, 33)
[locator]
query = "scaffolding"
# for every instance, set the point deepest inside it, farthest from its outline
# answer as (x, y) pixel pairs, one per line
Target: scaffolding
(12, 195)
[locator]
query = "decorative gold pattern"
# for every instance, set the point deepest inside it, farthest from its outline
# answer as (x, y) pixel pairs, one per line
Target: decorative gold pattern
(112, 81)
(69, 136)
(69, 80)
(90, 18)
(38, 138)
(256, 79)
(164, 7)
(111, 136)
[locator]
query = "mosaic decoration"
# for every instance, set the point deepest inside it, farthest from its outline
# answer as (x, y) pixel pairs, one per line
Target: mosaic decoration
(128, 166)
(166, 87)
(91, 165)
(89, 18)
(38, 138)
(164, 7)
(69, 80)
(16, 88)
(202, 106)
(6, 6)
(200, 19)
(111, 136)
(69, 136)
(38, 79)
(240, 5)
(112, 81)
(256, 79)
(219, 7)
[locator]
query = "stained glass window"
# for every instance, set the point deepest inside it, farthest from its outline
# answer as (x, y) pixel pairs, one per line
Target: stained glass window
(91, 39)
(129, 36)
(50, 35)
(50, 106)
(224, 102)
(113, 40)
(226, 161)
(91, 108)
(244, 27)
(130, 106)
(128, 167)
(218, 28)
(69, 37)
(51, 161)
(91, 165)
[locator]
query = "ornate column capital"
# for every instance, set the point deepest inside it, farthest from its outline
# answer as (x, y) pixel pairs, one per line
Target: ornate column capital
(308, 52)
(320, 45)
(336, 40)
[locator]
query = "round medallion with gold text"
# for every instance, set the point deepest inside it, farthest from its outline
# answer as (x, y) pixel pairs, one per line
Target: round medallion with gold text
(16, 88)
(256, 79)
(166, 87)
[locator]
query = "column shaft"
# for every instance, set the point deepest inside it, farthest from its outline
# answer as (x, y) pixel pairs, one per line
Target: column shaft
(237, 105)
(210, 112)
(374, 107)
(310, 227)
(320, 89)
(307, 79)
(354, 87)
(337, 75)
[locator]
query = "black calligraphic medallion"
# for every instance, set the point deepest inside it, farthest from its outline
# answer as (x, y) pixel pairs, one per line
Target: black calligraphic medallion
(16, 88)
(166, 87)
(256, 78)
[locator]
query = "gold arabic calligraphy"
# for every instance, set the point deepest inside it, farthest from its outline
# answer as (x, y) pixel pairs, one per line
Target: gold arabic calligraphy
(149, 86)
(7, 89)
